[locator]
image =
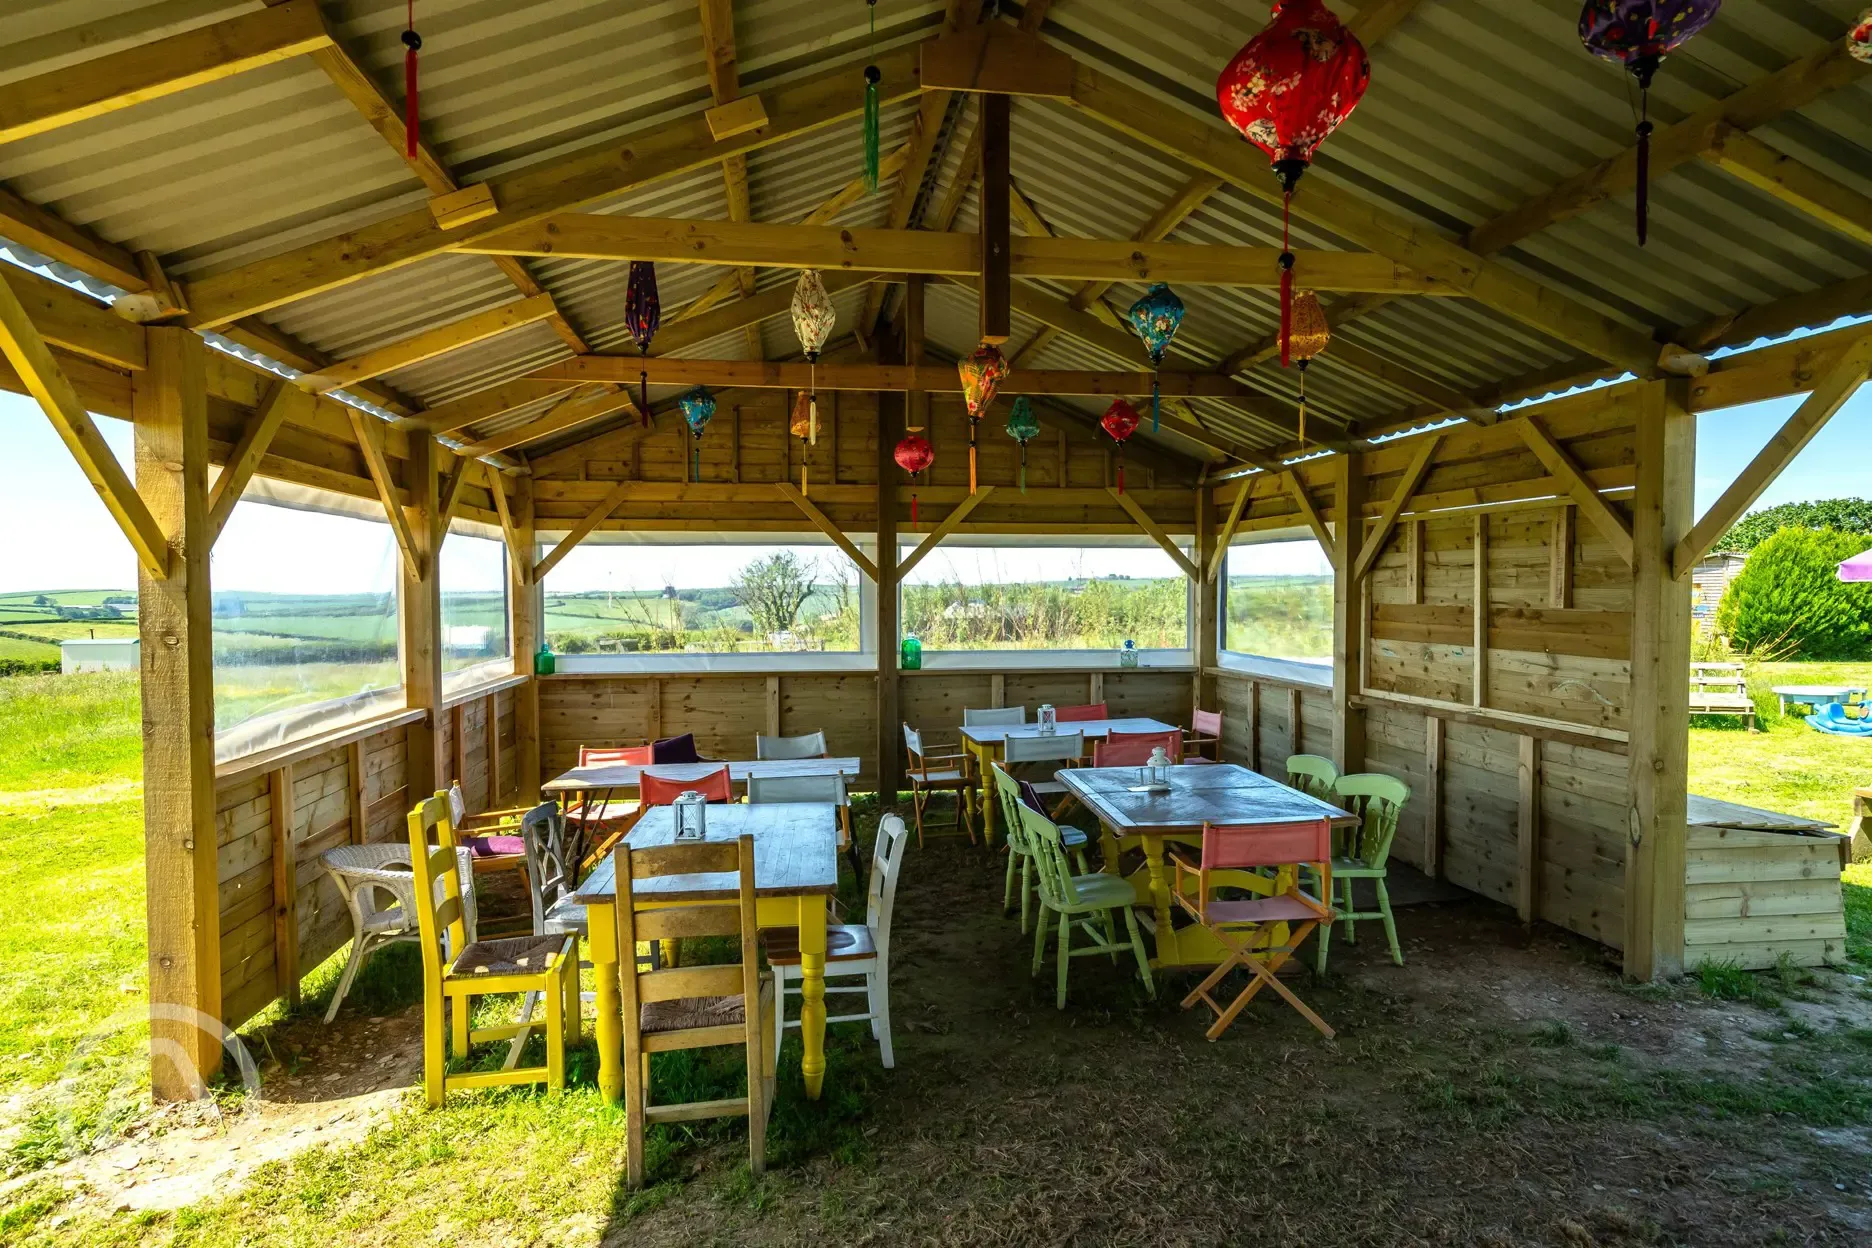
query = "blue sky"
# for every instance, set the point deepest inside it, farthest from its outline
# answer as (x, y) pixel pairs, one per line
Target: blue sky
(58, 535)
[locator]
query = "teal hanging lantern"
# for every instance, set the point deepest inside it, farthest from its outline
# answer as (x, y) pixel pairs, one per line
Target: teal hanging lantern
(872, 77)
(1156, 318)
(698, 408)
(1023, 426)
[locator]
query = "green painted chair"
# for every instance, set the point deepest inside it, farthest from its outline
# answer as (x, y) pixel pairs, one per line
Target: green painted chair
(1020, 849)
(1312, 775)
(1084, 903)
(1378, 801)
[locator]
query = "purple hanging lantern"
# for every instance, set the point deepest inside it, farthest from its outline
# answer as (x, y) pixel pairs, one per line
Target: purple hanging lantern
(643, 312)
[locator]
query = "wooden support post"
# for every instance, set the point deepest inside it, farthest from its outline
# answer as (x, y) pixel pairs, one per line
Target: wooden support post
(285, 886)
(354, 795)
(997, 690)
(1433, 797)
(1527, 831)
(1560, 558)
(458, 748)
(1095, 688)
(1254, 725)
(1208, 609)
(1348, 746)
(491, 713)
(1295, 731)
(1479, 594)
(1663, 508)
(996, 248)
(171, 407)
(895, 410)
(524, 607)
(654, 728)
(422, 616)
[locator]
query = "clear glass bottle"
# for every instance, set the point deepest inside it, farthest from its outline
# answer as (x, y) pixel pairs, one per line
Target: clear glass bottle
(1128, 654)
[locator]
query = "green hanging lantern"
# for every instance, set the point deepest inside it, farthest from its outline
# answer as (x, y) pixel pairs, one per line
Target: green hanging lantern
(1023, 426)
(872, 77)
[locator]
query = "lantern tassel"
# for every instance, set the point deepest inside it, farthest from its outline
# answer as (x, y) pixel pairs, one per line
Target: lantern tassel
(913, 509)
(972, 456)
(412, 44)
(1121, 467)
(1303, 373)
(1644, 179)
(804, 489)
(643, 386)
(1023, 468)
(1286, 283)
(871, 163)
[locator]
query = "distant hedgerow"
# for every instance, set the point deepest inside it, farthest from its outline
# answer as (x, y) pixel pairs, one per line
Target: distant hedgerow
(1789, 596)
(1846, 515)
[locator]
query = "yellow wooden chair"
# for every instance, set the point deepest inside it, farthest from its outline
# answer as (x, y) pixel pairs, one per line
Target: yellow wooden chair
(452, 978)
(693, 1007)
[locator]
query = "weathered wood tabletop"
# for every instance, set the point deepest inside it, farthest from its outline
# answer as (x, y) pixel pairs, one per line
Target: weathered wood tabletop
(795, 854)
(1199, 794)
(622, 776)
(1093, 729)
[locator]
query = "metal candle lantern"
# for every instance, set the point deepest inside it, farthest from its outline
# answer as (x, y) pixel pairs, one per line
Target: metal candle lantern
(1159, 765)
(1049, 720)
(691, 813)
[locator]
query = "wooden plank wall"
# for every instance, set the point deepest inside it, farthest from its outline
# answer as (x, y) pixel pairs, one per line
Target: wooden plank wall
(1258, 721)
(1754, 896)
(351, 793)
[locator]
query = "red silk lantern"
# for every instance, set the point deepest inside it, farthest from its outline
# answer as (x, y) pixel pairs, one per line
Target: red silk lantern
(1286, 91)
(914, 455)
(1120, 421)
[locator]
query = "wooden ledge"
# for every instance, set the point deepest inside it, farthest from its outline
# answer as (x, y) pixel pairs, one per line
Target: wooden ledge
(283, 755)
(477, 692)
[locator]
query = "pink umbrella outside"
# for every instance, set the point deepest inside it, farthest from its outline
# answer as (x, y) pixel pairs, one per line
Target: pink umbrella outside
(1857, 568)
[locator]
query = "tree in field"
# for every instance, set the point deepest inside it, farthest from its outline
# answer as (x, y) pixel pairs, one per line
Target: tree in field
(773, 589)
(1788, 597)
(1847, 515)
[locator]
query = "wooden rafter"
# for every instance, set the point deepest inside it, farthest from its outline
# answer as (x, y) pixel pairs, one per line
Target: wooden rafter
(1832, 203)
(1227, 534)
(1155, 532)
(429, 343)
(949, 525)
(1592, 504)
(610, 443)
(268, 415)
(825, 525)
(937, 378)
(569, 414)
(31, 358)
(51, 235)
(1779, 316)
(453, 487)
(1376, 19)
(1829, 394)
(161, 67)
(368, 431)
(582, 530)
(1387, 520)
(718, 51)
(995, 219)
(1309, 512)
(497, 400)
(517, 554)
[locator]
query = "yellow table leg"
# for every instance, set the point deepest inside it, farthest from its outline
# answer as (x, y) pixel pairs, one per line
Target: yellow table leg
(1159, 889)
(602, 932)
(1108, 849)
(812, 944)
(984, 754)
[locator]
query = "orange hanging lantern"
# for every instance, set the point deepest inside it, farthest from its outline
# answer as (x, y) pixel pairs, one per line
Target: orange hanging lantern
(982, 374)
(801, 427)
(1310, 336)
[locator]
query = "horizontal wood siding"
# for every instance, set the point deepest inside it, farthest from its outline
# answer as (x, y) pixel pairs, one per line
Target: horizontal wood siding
(1754, 896)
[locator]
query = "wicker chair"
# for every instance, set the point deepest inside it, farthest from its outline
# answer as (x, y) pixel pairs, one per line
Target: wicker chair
(364, 873)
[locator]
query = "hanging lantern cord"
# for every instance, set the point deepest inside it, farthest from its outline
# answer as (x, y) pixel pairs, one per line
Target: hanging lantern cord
(1289, 172)
(412, 43)
(1644, 69)
(872, 77)
(643, 384)
(1156, 392)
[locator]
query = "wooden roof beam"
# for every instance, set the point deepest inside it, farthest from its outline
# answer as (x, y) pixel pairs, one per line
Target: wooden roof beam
(159, 68)
(569, 414)
(428, 344)
(1800, 186)
(58, 239)
(718, 51)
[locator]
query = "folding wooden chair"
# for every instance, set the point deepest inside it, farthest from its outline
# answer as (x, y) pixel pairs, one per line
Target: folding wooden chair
(1205, 734)
(601, 824)
(1246, 928)
(1133, 749)
(926, 781)
(1081, 714)
(694, 1007)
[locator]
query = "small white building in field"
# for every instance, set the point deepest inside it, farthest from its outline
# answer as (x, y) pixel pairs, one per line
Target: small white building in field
(100, 654)
(1710, 579)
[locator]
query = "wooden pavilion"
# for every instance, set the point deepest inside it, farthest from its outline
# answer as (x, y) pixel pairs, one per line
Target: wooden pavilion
(217, 234)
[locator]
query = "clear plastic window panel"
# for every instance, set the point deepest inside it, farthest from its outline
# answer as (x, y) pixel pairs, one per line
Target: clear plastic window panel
(1277, 601)
(477, 645)
(1046, 598)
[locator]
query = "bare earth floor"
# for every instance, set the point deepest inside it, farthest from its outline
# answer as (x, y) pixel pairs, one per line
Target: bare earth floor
(1501, 1089)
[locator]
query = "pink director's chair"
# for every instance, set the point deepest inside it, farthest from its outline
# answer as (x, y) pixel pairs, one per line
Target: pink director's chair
(1246, 928)
(1133, 749)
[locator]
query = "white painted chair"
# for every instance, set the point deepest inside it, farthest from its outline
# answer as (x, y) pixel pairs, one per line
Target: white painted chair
(987, 717)
(826, 789)
(810, 745)
(1065, 748)
(364, 873)
(851, 951)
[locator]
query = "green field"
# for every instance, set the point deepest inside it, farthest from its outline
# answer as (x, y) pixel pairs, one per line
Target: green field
(32, 624)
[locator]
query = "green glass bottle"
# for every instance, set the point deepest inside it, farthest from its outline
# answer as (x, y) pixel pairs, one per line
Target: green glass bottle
(545, 662)
(912, 654)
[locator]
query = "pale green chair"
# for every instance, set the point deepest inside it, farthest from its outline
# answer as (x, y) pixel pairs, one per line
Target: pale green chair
(1020, 849)
(1084, 903)
(1312, 775)
(1378, 801)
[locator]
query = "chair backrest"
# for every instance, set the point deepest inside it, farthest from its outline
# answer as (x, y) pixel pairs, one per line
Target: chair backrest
(1007, 792)
(676, 750)
(655, 790)
(991, 716)
(1312, 774)
(624, 755)
(1378, 801)
(434, 868)
(881, 894)
(811, 745)
(716, 918)
(913, 745)
(1206, 723)
(552, 863)
(1049, 856)
(1227, 847)
(1133, 749)
(767, 789)
(1063, 746)
(1080, 714)
(458, 805)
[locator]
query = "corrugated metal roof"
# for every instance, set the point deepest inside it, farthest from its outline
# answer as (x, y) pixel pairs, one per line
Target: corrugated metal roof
(1475, 106)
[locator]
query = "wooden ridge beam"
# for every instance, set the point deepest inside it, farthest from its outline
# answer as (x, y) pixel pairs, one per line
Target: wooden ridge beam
(429, 343)
(1155, 532)
(268, 415)
(1791, 87)
(161, 67)
(1387, 521)
(569, 414)
(718, 53)
(582, 530)
(950, 523)
(1800, 186)
(1830, 393)
(555, 185)
(31, 358)
(994, 222)
(824, 524)
(369, 433)
(1592, 504)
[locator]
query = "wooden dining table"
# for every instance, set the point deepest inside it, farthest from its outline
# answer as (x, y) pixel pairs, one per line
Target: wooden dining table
(795, 870)
(1222, 793)
(984, 742)
(607, 778)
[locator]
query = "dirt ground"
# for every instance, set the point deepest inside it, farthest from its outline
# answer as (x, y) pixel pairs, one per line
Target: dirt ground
(1503, 1088)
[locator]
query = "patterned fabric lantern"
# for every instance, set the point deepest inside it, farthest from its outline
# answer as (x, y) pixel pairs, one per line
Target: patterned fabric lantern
(1156, 318)
(813, 318)
(412, 44)
(805, 412)
(1640, 34)
(643, 312)
(1023, 426)
(1859, 38)
(1287, 90)
(1120, 421)
(698, 408)
(982, 374)
(914, 455)
(1311, 334)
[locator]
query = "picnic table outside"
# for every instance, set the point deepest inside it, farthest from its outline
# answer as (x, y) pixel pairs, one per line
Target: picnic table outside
(1817, 696)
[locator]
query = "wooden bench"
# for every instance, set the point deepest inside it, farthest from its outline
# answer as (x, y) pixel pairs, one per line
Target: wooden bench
(1721, 689)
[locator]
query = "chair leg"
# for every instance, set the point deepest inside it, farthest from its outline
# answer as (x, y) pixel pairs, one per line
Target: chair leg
(636, 1090)
(1027, 891)
(1351, 932)
(880, 1014)
(1137, 947)
(555, 1033)
(1064, 953)
(1040, 935)
(1007, 890)
(779, 1007)
(1390, 924)
(350, 973)
(916, 811)
(1111, 936)
(573, 1021)
(459, 1009)
(1319, 950)
(435, 1055)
